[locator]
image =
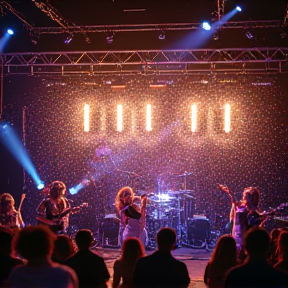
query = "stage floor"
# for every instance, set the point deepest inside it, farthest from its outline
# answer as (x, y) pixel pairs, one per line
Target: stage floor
(195, 259)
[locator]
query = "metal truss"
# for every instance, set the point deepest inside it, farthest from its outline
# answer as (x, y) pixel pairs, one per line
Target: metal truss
(148, 61)
(154, 27)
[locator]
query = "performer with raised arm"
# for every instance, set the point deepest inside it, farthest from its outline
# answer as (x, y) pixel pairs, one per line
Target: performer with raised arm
(244, 214)
(132, 216)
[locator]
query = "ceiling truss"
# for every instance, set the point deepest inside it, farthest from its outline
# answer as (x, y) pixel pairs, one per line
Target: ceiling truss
(148, 61)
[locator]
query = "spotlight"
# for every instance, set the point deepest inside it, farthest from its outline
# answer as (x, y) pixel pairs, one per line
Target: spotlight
(10, 31)
(238, 8)
(87, 39)
(162, 36)
(110, 37)
(68, 39)
(206, 26)
(249, 35)
(40, 185)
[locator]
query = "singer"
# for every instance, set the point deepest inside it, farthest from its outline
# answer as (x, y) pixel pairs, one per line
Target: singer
(132, 216)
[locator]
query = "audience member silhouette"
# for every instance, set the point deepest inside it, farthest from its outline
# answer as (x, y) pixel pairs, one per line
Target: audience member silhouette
(132, 250)
(161, 269)
(63, 248)
(272, 256)
(224, 257)
(255, 271)
(35, 245)
(7, 262)
(282, 249)
(89, 267)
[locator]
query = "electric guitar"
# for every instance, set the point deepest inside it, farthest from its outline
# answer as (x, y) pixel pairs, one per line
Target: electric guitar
(255, 219)
(58, 219)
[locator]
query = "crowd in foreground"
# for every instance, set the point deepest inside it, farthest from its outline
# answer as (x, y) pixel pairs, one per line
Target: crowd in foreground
(41, 257)
(35, 257)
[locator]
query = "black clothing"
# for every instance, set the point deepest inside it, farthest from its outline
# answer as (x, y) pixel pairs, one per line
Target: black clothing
(160, 269)
(255, 274)
(90, 269)
(7, 263)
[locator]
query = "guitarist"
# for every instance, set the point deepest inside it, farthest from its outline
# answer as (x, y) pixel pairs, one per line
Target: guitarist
(9, 217)
(54, 210)
(244, 214)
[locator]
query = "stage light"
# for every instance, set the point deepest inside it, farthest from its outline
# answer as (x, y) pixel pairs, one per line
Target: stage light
(87, 39)
(249, 35)
(227, 126)
(206, 26)
(148, 118)
(86, 118)
(18, 150)
(10, 31)
(68, 39)
(193, 118)
(119, 118)
(110, 37)
(162, 36)
(74, 190)
(238, 8)
(40, 185)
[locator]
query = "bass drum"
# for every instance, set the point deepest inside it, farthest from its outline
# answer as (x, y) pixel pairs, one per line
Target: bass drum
(198, 231)
(109, 231)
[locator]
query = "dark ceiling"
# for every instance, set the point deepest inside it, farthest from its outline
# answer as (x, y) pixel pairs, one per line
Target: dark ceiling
(26, 14)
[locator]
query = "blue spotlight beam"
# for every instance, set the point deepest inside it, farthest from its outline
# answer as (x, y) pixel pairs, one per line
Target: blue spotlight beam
(200, 36)
(15, 146)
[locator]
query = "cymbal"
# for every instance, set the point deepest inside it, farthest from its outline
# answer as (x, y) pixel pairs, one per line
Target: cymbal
(175, 192)
(184, 174)
(162, 198)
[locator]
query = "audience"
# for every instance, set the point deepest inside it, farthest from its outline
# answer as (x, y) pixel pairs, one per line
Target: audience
(89, 267)
(273, 251)
(161, 269)
(132, 250)
(35, 245)
(63, 248)
(7, 262)
(255, 271)
(282, 249)
(223, 258)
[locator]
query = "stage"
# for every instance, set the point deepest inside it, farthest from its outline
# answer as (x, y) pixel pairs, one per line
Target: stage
(195, 260)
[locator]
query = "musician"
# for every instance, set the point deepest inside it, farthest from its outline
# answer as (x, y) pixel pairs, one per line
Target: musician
(244, 214)
(132, 216)
(9, 217)
(54, 210)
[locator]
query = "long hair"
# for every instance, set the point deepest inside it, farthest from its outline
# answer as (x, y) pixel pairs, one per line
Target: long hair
(282, 246)
(224, 255)
(124, 197)
(57, 190)
(7, 203)
(132, 250)
(252, 197)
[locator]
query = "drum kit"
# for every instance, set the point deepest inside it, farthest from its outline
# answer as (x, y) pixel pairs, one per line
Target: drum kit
(174, 208)
(170, 208)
